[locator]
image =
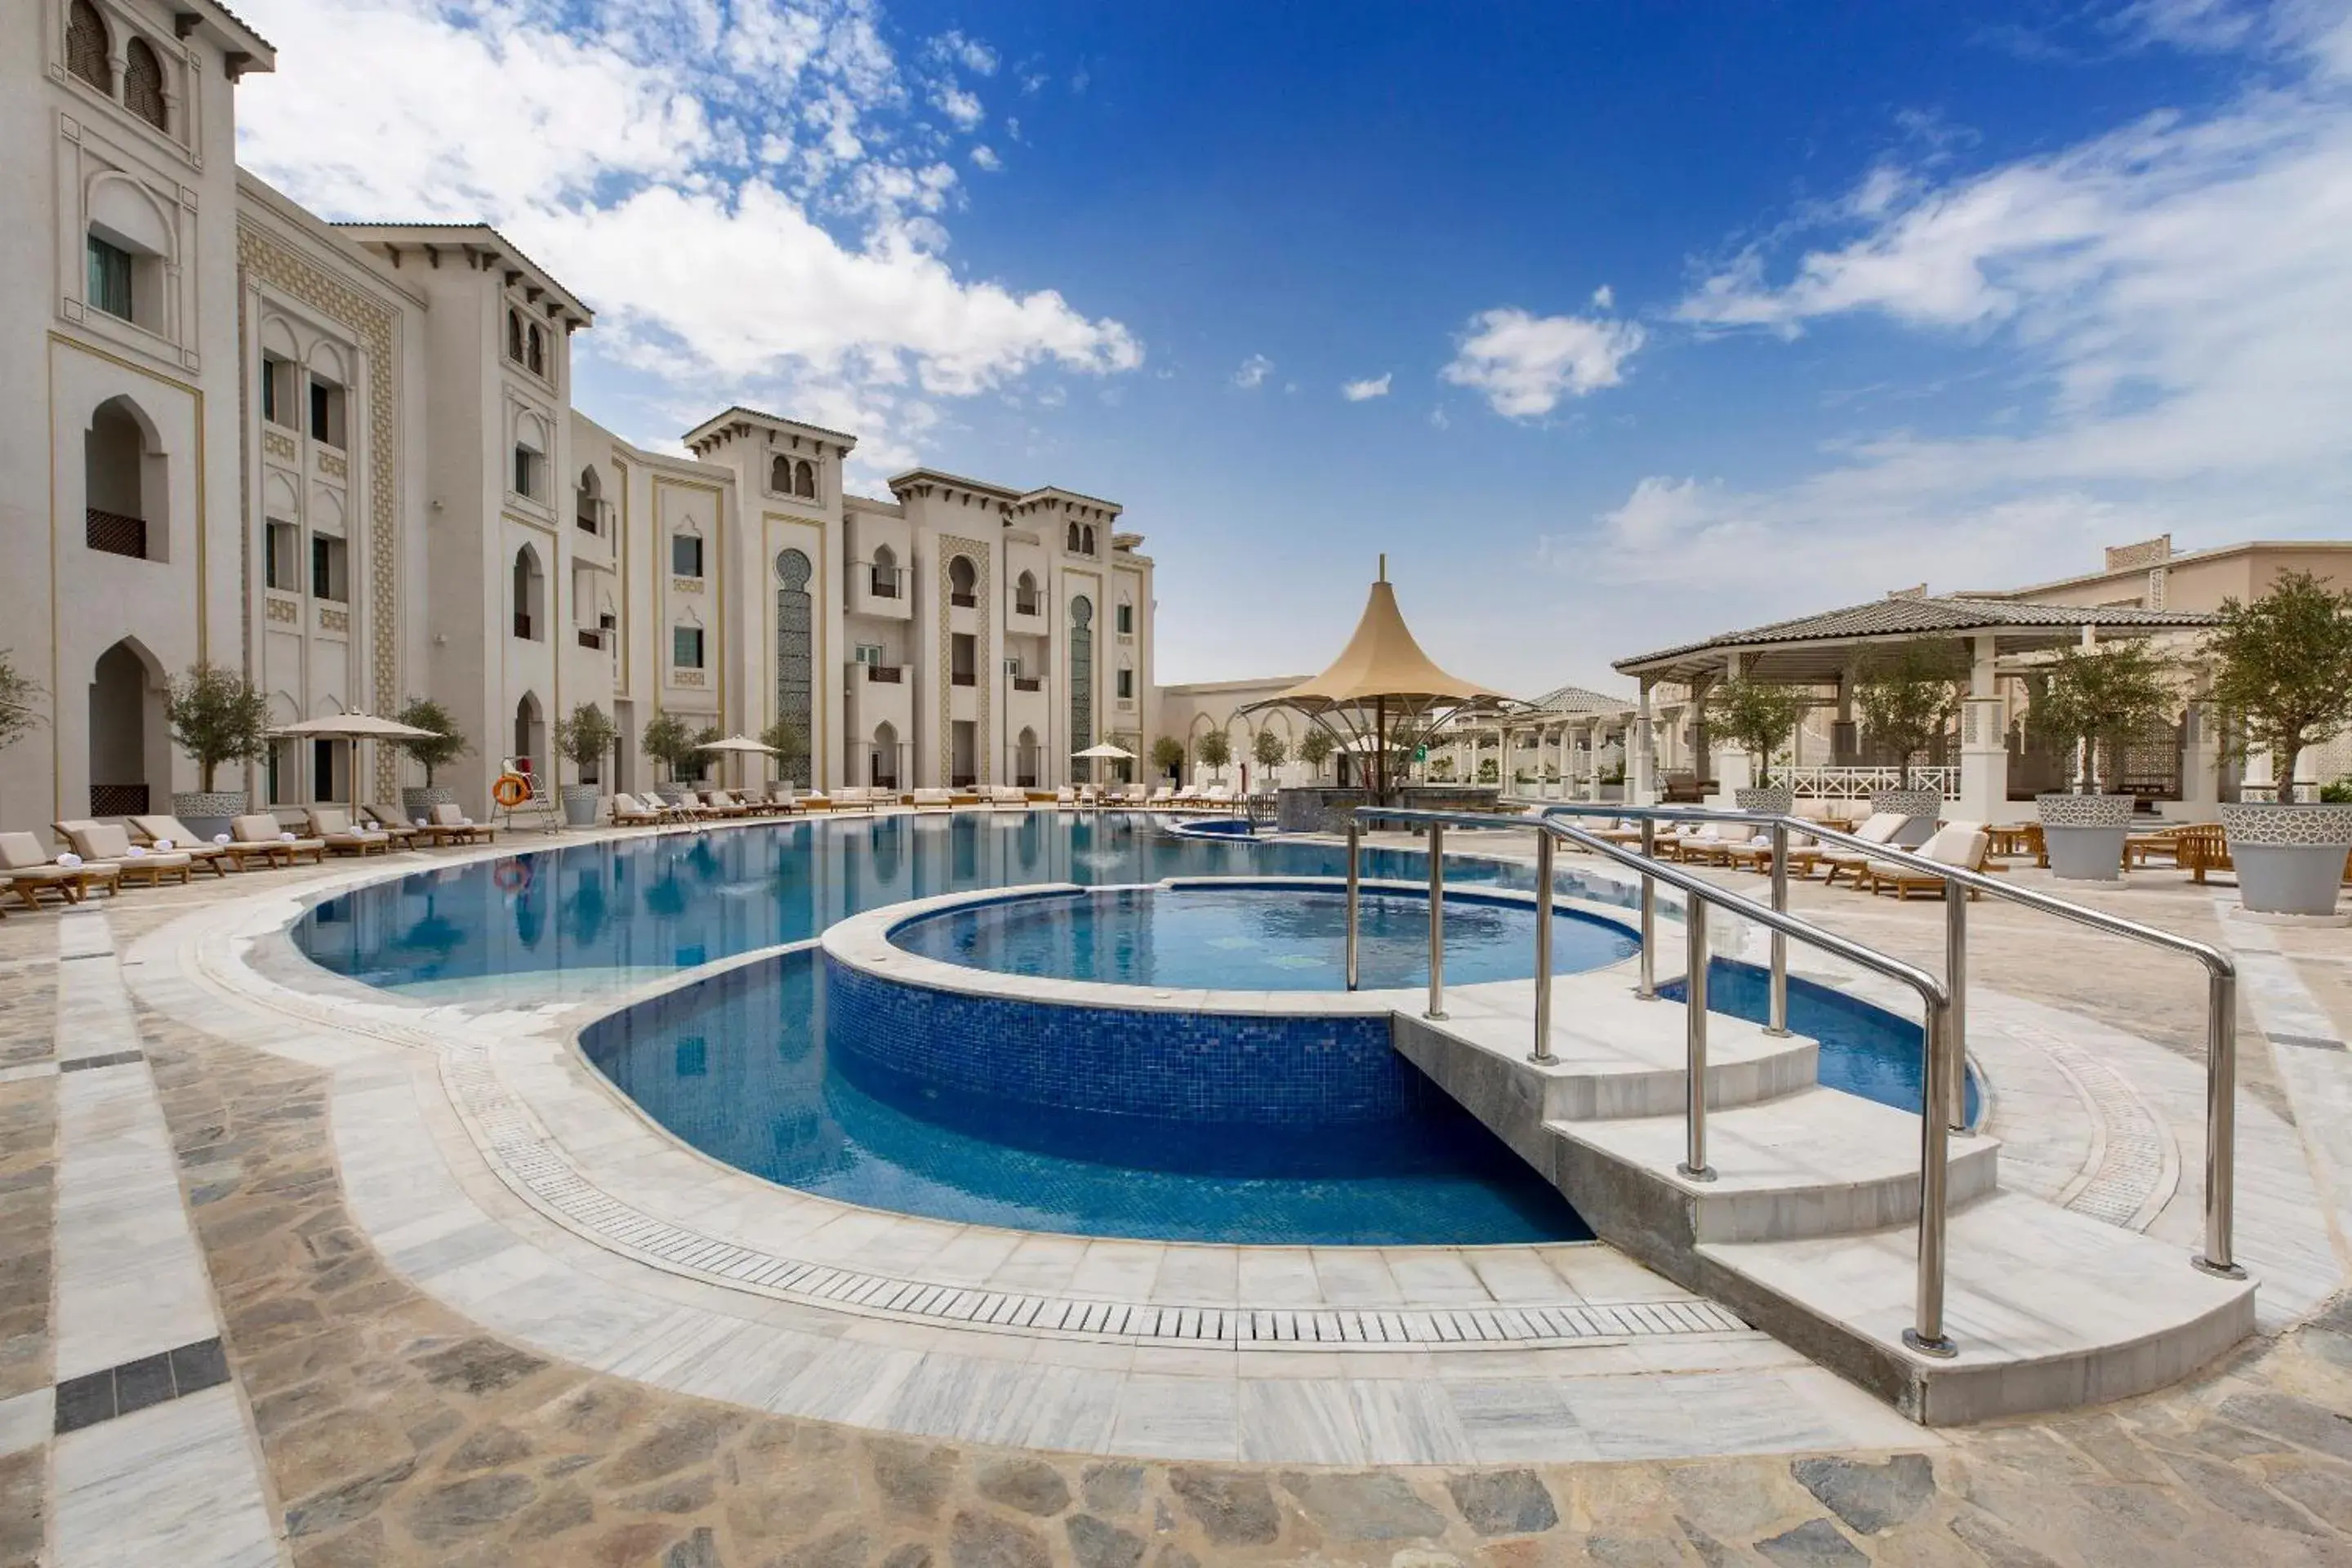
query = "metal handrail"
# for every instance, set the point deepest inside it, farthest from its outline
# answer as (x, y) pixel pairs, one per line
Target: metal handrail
(2220, 971)
(1926, 1333)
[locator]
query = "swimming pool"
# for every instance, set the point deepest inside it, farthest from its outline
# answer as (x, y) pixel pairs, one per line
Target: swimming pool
(1254, 938)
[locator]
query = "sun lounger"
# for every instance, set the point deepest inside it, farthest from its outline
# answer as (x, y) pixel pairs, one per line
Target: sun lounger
(331, 825)
(32, 872)
(933, 800)
(402, 833)
(166, 832)
(109, 842)
(1879, 827)
(627, 812)
(262, 829)
(454, 824)
(1963, 845)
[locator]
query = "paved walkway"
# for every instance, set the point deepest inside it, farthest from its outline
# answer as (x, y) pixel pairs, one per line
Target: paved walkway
(392, 1427)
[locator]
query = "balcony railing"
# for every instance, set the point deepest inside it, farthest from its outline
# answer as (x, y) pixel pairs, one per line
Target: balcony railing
(116, 534)
(522, 626)
(963, 678)
(883, 584)
(118, 800)
(889, 674)
(590, 638)
(1861, 783)
(1028, 607)
(1028, 683)
(964, 601)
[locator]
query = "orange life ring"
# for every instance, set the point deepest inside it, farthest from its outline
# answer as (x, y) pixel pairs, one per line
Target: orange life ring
(511, 790)
(511, 876)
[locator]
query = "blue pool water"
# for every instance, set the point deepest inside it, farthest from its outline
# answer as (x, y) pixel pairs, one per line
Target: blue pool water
(1254, 939)
(739, 1068)
(677, 901)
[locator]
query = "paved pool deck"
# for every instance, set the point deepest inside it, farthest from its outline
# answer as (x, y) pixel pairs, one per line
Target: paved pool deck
(312, 1276)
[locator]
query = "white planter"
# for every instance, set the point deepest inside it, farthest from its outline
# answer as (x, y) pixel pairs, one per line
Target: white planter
(2085, 835)
(1922, 807)
(206, 813)
(580, 804)
(419, 803)
(1776, 800)
(2290, 859)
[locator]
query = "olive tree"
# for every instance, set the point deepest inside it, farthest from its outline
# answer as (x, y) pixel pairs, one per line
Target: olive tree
(2282, 669)
(668, 742)
(20, 699)
(1907, 699)
(445, 745)
(1214, 751)
(585, 736)
(791, 744)
(1270, 749)
(1315, 748)
(1168, 755)
(1757, 718)
(2102, 697)
(216, 715)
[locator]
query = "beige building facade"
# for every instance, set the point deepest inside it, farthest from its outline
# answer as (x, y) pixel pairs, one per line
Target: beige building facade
(344, 459)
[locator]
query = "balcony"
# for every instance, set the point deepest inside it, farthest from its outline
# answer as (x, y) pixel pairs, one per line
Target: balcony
(1028, 606)
(883, 584)
(963, 678)
(887, 674)
(590, 638)
(964, 601)
(522, 627)
(115, 533)
(1028, 683)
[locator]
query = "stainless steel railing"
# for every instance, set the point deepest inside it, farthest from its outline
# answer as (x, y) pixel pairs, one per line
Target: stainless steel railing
(2221, 971)
(1927, 1335)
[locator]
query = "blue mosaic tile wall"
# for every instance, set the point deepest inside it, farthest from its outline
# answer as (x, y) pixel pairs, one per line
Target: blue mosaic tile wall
(1173, 1066)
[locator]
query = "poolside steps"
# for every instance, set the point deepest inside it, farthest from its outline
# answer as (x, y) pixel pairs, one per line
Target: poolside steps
(1809, 1229)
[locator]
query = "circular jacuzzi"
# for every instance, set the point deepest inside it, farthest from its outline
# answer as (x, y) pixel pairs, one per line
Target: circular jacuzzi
(1254, 936)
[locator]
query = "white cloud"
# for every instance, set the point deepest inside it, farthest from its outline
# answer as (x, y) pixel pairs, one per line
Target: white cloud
(954, 48)
(986, 158)
(743, 194)
(1254, 371)
(958, 104)
(1365, 390)
(1604, 298)
(1524, 365)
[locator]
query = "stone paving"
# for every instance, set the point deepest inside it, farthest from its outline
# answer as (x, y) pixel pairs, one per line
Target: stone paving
(396, 1431)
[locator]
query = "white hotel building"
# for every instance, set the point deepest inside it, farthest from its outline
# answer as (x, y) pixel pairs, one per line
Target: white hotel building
(344, 458)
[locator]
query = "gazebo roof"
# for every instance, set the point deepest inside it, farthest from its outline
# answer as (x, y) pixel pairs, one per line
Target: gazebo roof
(1383, 660)
(1582, 701)
(1818, 647)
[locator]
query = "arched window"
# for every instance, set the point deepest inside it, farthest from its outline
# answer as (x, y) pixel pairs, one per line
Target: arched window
(804, 480)
(124, 483)
(1024, 594)
(530, 594)
(1070, 539)
(588, 511)
(1024, 758)
(127, 738)
(1088, 536)
(529, 735)
(795, 658)
(514, 335)
(88, 51)
(1082, 678)
(885, 573)
(142, 85)
(963, 583)
(535, 350)
(779, 474)
(883, 768)
(530, 459)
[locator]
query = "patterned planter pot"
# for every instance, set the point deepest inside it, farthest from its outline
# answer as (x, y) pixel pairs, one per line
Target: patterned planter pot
(2290, 859)
(1776, 800)
(1921, 806)
(206, 813)
(581, 803)
(417, 804)
(2084, 834)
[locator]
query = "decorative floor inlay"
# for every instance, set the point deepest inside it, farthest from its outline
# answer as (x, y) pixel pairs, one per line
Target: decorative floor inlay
(102, 1395)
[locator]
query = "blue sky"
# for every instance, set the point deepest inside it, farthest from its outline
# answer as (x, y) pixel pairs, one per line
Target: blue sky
(1612, 324)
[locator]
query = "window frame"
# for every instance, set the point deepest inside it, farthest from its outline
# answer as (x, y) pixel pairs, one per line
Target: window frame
(678, 633)
(678, 540)
(98, 288)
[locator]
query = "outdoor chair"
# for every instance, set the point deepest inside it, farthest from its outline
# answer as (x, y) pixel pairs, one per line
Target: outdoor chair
(933, 800)
(110, 843)
(1879, 827)
(262, 829)
(454, 823)
(628, 812)
(160, 832)
(402, 833)
(1963, 845)
(32, 872)
(331, 825)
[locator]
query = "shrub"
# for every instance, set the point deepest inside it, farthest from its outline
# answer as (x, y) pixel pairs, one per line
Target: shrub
(445, 744)
(1168, 755)
(217, 716)
(585, 737)
(1214, 751)
(1315, 748)
(791, 745)
(668, 742)
(1270, 749)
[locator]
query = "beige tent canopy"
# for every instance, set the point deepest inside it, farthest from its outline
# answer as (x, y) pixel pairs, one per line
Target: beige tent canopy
(1382, 678)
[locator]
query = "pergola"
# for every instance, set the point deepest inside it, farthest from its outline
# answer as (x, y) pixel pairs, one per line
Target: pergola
(1576, 732)
(2001, 639)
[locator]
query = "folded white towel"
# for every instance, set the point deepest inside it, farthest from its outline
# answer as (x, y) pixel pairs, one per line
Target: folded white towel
(285, 838)
(220, 837)
(70, 861)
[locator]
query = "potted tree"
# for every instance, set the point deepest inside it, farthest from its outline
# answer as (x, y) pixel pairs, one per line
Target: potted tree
(1907, 699)
(1213, 751)
(1759, 719)
(445, 745)
(2092, 702)
(217, 716)
(791, 744)
(2282, 672)
(1271, 751)
(1168, 758)
(585, 738)
(1315, 748)
(20, 698)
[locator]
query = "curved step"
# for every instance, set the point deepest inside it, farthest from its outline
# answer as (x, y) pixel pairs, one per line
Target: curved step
(1814, 1163)
(2047, 1309)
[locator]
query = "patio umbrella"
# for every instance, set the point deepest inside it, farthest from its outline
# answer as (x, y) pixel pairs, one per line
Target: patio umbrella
(351, 727)
(741, 745)
(1104, 751)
